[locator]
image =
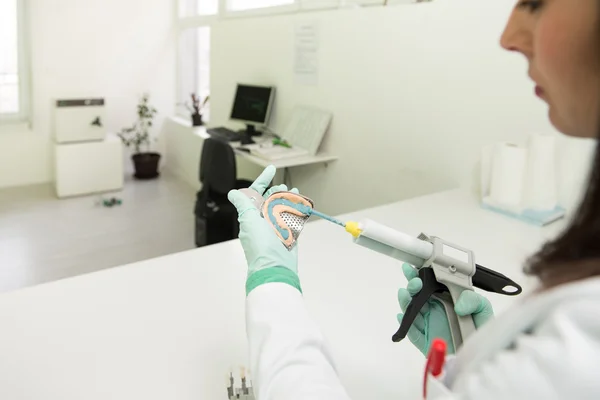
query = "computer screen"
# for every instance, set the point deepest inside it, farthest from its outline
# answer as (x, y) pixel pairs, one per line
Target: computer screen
(252, 104)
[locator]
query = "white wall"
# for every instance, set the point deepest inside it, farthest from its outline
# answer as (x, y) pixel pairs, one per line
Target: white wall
(416, 91)
(24, 157)
(116, 49)
(183, 149)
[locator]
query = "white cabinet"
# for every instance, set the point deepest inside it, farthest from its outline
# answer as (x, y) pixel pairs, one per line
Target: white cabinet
(86, 160)
(89, 167)
(79, 120)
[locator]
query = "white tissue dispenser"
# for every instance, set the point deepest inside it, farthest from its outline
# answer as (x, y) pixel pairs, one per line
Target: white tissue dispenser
(521, 182)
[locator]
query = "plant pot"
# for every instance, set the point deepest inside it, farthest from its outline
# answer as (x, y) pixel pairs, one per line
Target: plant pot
(197, 120)
(146, 165)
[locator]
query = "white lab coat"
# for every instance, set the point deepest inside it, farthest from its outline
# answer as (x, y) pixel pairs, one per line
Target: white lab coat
(546, 348)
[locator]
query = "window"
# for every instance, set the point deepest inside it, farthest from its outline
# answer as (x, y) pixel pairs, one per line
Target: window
(13, 76)
(194, 66)
(240, 5)
(9, 58)
(189, 8)
(208, 7)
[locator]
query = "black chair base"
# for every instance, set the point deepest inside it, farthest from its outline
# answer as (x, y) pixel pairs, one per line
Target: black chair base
(220, 222)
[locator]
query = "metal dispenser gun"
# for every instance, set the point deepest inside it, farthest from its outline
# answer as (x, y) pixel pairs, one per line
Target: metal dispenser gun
(446, 270)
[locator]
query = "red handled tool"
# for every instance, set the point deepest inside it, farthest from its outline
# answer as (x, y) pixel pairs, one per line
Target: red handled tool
(435, 362)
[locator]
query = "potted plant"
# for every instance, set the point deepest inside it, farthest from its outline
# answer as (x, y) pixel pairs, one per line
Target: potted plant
(196, 109)
(138, 137)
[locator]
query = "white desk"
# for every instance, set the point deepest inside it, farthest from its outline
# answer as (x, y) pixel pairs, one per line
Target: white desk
(170, 328)
(320, 158)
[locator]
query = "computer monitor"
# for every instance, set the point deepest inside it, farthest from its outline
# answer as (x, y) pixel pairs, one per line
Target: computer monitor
(252, 105)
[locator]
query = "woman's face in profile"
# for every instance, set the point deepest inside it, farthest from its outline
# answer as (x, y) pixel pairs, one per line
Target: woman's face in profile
(561, 41)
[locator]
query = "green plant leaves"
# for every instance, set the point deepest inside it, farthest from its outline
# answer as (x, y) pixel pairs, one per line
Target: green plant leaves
(138, 135)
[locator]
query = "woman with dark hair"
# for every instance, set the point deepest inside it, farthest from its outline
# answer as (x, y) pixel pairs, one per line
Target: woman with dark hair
(549, 346)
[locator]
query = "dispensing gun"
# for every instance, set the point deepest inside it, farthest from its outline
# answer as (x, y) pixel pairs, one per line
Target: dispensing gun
(446, 270)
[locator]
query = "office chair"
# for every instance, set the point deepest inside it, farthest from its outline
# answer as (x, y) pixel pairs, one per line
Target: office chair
(216, 217)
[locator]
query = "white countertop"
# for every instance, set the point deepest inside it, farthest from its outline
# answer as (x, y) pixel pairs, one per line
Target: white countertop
(171, 328)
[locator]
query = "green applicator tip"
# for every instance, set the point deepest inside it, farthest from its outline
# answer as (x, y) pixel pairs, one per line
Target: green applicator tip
(328, 218)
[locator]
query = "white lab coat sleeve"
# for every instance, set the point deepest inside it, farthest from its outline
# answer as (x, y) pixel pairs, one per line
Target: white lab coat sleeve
(558, 359)
(289, 357)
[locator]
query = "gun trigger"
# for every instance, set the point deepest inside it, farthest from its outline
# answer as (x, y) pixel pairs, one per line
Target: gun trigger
(430, 287)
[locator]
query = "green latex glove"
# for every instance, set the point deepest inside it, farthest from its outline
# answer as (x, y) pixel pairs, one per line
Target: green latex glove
(432, 321)
(268, 259)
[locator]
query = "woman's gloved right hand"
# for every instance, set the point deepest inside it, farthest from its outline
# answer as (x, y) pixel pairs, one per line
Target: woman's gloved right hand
(432, 321)
(268, 259)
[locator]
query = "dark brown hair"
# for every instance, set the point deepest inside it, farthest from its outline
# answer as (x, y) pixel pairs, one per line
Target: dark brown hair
(575, 254)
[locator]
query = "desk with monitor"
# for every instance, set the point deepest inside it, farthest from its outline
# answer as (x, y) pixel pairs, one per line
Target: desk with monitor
(252, 105)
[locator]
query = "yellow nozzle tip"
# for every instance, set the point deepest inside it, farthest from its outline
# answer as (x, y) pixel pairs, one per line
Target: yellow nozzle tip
(353, 229)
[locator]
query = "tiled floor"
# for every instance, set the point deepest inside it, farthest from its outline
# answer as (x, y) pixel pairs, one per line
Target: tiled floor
(44, 239)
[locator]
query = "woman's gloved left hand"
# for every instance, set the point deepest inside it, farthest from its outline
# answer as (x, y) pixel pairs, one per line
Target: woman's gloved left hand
(432, 321)
(268, 259)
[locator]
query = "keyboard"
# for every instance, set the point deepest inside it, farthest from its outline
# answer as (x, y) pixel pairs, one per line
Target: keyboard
(225, 134)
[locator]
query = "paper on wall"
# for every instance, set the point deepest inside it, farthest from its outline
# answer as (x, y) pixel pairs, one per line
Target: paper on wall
(306, 53)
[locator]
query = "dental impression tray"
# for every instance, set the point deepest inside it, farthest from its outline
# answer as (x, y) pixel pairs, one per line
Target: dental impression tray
(285, 212)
